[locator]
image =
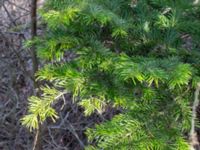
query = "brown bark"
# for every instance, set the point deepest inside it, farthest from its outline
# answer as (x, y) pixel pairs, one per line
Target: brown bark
(38, 137)
(33, 35)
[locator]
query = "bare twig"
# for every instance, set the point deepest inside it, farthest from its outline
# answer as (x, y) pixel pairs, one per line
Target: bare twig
(37, 146)
(70, 127)
(54, 142)
(9, 15)
(18, 6)
(193, 135)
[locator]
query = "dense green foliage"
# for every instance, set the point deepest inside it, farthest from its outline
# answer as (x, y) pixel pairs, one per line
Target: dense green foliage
(126, 53)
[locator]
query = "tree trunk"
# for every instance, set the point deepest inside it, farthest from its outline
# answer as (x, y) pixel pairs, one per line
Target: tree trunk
(33, 35)
(38, 137)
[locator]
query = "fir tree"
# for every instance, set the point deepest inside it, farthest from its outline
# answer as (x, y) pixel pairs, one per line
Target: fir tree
(127, 54)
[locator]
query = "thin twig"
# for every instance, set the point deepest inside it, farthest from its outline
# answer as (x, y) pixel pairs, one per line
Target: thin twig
(18, 6)
(193, 135)
(9, 15)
